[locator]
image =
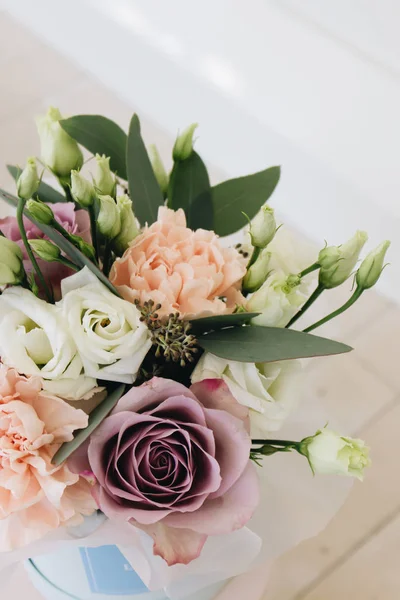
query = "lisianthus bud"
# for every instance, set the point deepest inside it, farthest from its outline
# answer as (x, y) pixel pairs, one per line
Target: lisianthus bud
(40, 211)
(11, 257)
(159, 169)
(45, 250)
(84, 247)
(330, 453)
(59, 151)
(263, 227)
(372, 266)
(28, 181)
(257, 273)
(338, 262)
(278, 300)
(108, 220)
(183, 147)
(129, 229)
(82, 190)
(104, 180)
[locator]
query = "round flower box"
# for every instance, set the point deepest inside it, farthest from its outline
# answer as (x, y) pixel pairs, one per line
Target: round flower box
(94, 574)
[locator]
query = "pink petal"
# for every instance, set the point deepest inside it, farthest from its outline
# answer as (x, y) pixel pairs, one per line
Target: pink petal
(225, 514)
(151, 393)
(175, 546)
(214, 393)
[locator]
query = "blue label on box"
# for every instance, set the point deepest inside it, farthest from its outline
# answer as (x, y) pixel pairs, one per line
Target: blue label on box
(109, 572)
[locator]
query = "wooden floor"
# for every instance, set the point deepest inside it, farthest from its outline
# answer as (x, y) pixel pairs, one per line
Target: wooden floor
(358, 556)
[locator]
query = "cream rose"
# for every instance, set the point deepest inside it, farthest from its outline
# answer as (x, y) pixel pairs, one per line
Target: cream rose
(111, 339)
(278, 300)
(269, 390)
(35, 341)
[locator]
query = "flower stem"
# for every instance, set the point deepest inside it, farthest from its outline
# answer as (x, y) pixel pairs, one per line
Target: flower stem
(316, 293)
(68, 263)
(309, 269)
(254, 256)
(274, 442)
(93, 229)
(20, 220)
(337, 312)
(107, 258)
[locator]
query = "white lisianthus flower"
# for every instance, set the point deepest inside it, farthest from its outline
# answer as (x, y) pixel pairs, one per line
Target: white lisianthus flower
(34, 340)
(111, 339)
(330, 453)
(278, 300)
(269, 390)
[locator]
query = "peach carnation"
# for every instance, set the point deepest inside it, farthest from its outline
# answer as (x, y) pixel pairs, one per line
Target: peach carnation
(35, 495)
(183, 270)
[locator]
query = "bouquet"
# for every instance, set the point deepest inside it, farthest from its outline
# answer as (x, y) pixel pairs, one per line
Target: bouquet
(146, 365)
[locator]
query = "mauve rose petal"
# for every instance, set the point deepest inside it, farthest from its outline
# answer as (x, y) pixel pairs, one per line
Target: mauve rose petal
(233, 447)
(214, 393)
(227, 513)
(180, 409)
(150, 394)
(175, 546)
(124, 512)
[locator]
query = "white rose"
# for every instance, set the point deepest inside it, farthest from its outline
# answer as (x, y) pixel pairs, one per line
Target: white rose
(111, 339)
(332, 454)
(35, 341)
(278, 300)
(269, 390)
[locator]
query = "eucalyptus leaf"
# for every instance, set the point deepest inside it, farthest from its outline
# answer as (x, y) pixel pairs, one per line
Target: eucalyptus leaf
(95, 418)
(247, 194)
(100, 135)
(144, 189)
(267, 344)
(217, 322)
(45, 192)
(65, 246)
(189, 188)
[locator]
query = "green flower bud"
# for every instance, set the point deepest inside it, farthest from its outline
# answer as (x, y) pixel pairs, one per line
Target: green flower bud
(159, 169)
(108, 220)
(28, 182)
(104, 180)
(59, 151)
(183, 147)
(45, 250)
(338, 262)
(82, 190)
(129, 229)
(40, 211)
(332, 454)
(11, 267)
(372, 266)
(263, 227)
(84, 247)
(257, 273)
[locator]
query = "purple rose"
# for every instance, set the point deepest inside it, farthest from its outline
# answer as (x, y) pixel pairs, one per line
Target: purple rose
(175, 462)
(76, 222)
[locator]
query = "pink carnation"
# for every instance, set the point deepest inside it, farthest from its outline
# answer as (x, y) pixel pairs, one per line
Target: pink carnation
(183, 270)
(35, 495)
(174, 462)
(75, 222)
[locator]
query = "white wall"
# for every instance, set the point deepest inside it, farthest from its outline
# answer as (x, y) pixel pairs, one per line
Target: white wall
(280, 82)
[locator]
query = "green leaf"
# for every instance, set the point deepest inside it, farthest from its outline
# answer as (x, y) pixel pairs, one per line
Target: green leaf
(216, 322)
(144, 190)
(45, 192)
(246, 194)
(100, 135)
(189, 188)
(65, 246)
(95, 418)
(267, 344)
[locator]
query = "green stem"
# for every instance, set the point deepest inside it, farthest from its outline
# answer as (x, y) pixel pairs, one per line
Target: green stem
(254, 256)
(337, 312)
(68, 263)
(20, 221)
(107, 258)
(309, 269)
(274, 442)
(93, 229)
(316, 293)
